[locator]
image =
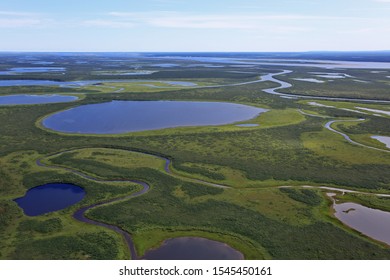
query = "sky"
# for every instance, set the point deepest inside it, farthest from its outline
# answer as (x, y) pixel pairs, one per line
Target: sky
(194, 25)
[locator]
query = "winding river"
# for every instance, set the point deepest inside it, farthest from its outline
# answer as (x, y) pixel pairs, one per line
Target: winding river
(284, 85)
(346, 137)
(80, 213)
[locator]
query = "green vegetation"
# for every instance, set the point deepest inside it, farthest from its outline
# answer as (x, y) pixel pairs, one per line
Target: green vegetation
(254, 215)
(309, 197)
(361, 83)
(161, 208)
(97, 246)
(47, 226)
(371, 201)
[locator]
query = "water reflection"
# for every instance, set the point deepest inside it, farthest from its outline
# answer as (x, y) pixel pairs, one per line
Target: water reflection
(371, 222)
(193, 248)
(21, 99)
(49, 198)
(129, 116)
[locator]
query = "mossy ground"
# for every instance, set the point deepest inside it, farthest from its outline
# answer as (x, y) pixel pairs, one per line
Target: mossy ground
(253, 216)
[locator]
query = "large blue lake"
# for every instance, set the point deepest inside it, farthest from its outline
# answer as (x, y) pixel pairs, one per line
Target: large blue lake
(193, 248)
(49, 198)
(20, 99)
(129, 116)
(10, 83)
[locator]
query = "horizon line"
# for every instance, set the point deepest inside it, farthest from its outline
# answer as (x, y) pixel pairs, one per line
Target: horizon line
(312, 51)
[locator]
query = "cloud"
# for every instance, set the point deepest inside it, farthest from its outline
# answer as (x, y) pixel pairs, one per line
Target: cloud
(14, 23)
(108, 23)
(267, 23)
(17, 14)
(169, 19)
(12, 19)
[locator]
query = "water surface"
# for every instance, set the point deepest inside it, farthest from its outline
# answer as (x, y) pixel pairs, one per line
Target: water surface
(384, 139)
(193, 248)
(20, 99)
(49, 198)
(9, 83)
(128, 116)
(310, 80)
(23, 70)
(247, 125)
(371, 222)
(375, 110)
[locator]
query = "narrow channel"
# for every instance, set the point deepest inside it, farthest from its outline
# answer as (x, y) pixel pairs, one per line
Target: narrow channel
(80, 213)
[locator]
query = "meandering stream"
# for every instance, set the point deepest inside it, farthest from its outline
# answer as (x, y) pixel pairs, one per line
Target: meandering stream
(346, 137)
(80, 213)
(284, 85)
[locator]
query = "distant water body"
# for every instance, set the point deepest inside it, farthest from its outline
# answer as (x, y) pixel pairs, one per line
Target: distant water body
(27, 99)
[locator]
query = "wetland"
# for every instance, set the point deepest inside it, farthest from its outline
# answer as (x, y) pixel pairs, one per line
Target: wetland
(186, 157)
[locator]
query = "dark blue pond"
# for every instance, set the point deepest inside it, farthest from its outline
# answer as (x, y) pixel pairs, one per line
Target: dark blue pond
(21, 99)
(49, 198)
(193, 248)
(129, 116)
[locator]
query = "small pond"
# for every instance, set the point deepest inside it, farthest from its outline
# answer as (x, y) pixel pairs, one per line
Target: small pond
(49, 198)
(129, 116)
(193, 248)
(20, 99)
(371, 222)
(247, 125)
(384, 139)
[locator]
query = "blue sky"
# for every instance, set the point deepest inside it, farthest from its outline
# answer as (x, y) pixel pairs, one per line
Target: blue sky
(212, 25)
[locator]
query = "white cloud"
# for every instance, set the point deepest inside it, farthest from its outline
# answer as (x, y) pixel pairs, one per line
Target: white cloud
(108, 23)
(17, 14)
(12, 19)
(169, 19)
(13, 23)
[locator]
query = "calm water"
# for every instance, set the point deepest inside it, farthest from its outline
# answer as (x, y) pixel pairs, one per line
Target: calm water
(165, 65)
(384, 139)
(193, 248)
(21, 70)
(10, 83)
(180, 83)
(20, 99)
(371, 222)
(49, 198)
(328, 64)
(129, 116)
(247, 125)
